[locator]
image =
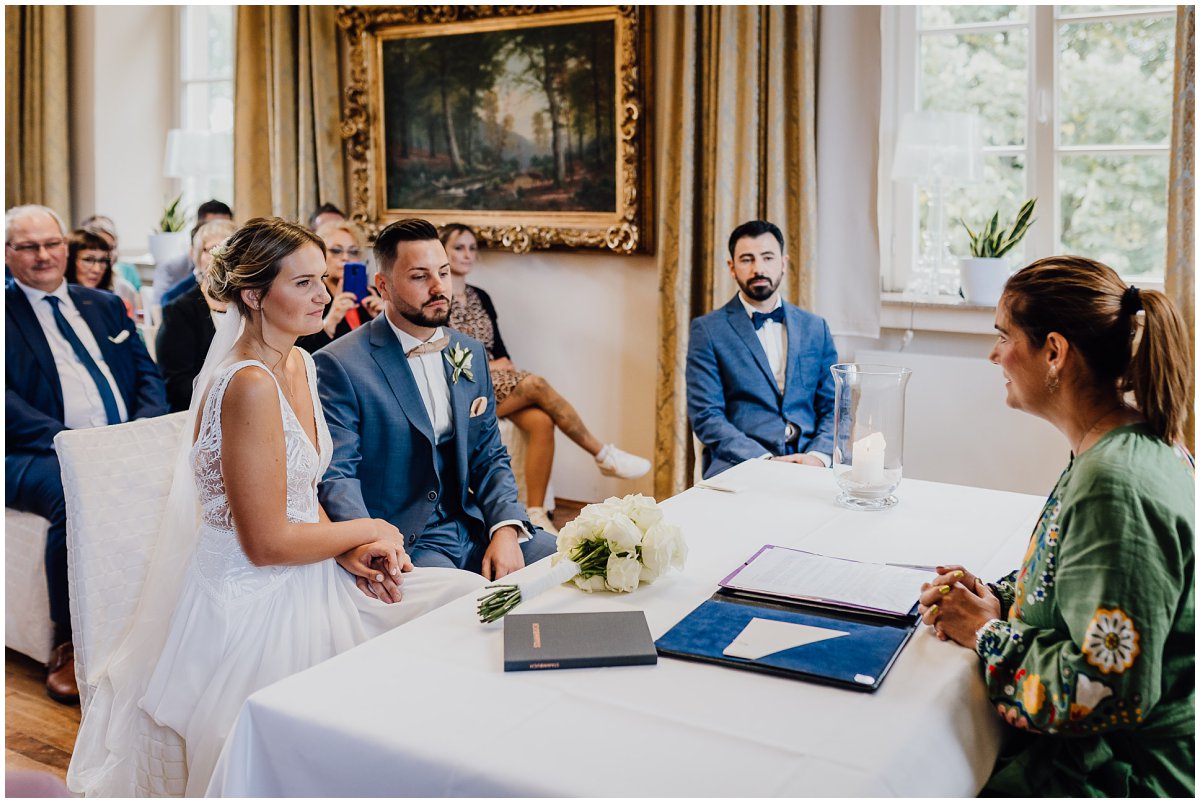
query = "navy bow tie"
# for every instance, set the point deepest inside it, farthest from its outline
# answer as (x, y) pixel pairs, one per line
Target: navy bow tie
(760, 318)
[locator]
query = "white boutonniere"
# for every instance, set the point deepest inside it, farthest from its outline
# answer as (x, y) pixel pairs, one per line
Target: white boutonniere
(119, 338)
(460, 359)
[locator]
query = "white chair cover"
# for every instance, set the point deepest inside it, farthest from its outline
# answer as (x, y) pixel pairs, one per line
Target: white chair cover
(116, 480)
(27, 625)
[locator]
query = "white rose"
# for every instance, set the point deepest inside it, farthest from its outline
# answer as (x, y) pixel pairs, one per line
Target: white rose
(622, 534)
(657, 548)
(645, 511)
(623, 574)
(570, 537)
(679, 556)
(590, 584)
(649, 575)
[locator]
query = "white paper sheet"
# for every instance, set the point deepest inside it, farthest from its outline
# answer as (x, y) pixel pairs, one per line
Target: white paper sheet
(766, 636)
(793, 573)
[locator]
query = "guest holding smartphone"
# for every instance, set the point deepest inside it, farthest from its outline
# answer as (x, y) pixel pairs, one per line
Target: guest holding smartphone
(347, 310)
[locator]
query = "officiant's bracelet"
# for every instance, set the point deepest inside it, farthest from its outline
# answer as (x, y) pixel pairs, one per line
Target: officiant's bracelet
(981, 631)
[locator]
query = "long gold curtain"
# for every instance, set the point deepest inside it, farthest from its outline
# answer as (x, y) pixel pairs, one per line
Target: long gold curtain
(287, 137)
(739, 134)
(1181, 199)
(37, 167)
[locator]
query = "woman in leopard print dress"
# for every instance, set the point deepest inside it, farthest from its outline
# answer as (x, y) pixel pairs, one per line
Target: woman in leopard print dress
(524, 398)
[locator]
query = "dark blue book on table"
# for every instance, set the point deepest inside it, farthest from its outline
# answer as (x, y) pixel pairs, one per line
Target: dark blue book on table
(577, 640)
(858, 657)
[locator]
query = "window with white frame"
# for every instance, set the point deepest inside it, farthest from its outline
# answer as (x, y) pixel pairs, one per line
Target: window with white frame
(205, 167)
(1075, 104)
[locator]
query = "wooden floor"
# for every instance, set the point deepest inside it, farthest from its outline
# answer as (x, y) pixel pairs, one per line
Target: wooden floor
(39, 733)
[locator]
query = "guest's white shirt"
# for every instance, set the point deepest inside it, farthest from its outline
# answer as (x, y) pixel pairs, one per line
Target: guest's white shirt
(82, 406)
(430, 377)
(773, 337)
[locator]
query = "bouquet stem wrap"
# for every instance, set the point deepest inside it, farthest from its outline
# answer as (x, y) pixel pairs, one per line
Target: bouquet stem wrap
(612, 546)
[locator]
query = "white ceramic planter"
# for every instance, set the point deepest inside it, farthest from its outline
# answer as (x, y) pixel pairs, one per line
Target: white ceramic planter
(168, 245)
(983, 279)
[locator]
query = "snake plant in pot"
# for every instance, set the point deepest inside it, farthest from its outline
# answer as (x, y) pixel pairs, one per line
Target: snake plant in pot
(984, 273)
(171, 239)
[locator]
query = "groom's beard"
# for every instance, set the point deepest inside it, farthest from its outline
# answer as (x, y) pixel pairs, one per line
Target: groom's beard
(430, 319)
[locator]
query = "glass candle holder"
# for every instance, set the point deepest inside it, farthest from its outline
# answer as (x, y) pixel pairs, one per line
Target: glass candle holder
(868, 433)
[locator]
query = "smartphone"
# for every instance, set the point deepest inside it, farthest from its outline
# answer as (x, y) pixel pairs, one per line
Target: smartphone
(354, 280)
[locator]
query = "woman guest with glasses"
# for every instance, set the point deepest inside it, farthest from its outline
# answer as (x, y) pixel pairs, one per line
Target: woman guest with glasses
(89, 264)
(344, 313)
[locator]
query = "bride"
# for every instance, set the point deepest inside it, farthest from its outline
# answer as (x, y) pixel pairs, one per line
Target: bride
(261, 583)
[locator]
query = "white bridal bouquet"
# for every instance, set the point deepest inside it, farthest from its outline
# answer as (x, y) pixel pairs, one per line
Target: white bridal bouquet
(613, 545)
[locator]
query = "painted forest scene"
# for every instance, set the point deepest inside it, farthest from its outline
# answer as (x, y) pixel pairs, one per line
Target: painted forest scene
(521, 119)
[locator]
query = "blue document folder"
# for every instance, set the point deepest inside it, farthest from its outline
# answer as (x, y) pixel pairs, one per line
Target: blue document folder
(858, 660)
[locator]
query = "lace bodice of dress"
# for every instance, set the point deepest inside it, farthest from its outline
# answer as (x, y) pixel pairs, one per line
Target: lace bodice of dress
(223, 565)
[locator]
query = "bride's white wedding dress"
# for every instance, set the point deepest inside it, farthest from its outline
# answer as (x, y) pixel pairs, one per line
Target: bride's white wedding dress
(238, 627)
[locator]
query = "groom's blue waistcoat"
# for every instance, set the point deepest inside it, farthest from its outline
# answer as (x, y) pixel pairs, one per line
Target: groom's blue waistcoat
(384, 464)
(734, 404)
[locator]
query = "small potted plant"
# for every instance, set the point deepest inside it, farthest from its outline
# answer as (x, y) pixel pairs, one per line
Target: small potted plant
(984, 273)
(171, 239)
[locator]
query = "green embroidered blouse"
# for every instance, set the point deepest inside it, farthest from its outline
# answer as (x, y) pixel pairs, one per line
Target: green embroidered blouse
(1094, 656)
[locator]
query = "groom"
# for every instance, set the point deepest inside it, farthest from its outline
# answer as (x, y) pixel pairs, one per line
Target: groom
(411, 410)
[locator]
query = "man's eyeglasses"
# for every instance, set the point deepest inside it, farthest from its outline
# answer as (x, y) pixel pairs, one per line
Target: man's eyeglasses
(95, 261)
(338, 251)
(33, 248)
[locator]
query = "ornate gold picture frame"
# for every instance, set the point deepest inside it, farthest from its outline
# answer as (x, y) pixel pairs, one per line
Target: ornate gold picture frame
(528, 123)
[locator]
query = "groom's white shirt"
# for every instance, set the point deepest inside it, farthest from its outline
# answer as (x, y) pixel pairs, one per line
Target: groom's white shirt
(430, 377)
(431, 381)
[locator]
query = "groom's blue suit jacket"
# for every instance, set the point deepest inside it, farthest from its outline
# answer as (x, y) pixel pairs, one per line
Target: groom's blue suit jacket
(383, 463)
(734, 404)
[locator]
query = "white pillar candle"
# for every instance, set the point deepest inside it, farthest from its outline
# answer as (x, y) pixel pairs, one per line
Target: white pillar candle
(867, 459)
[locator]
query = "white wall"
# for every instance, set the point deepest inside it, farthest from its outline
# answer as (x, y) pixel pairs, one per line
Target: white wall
(124, 78)
(588, 324)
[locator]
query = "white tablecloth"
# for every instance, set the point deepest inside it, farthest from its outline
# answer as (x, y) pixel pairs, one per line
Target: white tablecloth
(427, 709)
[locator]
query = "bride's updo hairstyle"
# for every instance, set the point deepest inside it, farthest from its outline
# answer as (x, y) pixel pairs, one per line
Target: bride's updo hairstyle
(250, 258)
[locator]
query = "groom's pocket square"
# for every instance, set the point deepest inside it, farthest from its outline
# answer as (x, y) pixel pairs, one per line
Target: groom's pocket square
(120, 337)
(478, 406)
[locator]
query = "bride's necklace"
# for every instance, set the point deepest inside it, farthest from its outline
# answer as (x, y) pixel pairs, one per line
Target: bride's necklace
(1096, 423)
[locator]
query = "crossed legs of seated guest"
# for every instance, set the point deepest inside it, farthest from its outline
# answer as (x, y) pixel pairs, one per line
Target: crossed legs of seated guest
(539, 452)
(535, 392)
(39, 491)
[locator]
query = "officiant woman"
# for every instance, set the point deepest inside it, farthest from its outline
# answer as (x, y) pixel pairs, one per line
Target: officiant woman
(1088, 650)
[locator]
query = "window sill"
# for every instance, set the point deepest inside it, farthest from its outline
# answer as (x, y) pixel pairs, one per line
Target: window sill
(935, 314)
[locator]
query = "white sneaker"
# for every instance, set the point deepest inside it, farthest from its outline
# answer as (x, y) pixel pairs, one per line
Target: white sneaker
(538, 517)
(615, 463)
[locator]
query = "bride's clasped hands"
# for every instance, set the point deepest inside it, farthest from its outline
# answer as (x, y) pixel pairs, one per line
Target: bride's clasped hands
(379, 566)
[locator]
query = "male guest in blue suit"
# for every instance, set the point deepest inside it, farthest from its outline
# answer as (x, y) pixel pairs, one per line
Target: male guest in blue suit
(411, 410)
(72, 359)
(758, 381)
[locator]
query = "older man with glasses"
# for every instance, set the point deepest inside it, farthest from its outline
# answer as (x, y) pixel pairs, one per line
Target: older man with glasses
(72, 360)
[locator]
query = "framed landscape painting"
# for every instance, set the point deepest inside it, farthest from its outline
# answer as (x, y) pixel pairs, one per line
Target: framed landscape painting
(528, 123)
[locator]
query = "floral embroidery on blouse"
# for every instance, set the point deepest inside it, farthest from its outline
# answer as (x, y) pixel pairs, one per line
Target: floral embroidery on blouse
(1042, 551)
(1111, 641)
(1088, 694)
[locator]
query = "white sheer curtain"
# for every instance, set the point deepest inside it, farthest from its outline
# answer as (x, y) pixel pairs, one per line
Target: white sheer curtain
(848, 237)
